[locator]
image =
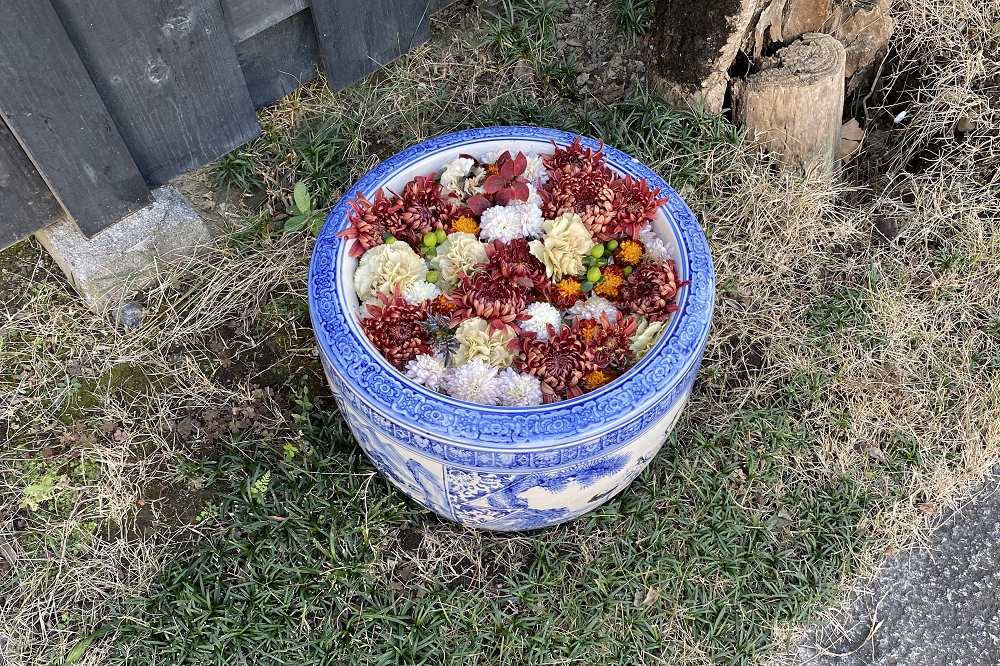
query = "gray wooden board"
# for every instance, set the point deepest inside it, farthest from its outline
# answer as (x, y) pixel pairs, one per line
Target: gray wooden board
(278, 60)
(357, 37)
(26, 205)
(49, 103)
(168, 74)
(247, 18)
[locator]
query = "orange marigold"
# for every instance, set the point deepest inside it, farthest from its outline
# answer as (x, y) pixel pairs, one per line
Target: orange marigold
(613, 279)
(443, 306)
(598, 378)
(566, 293)
(465, 224)
(588, 329)
(629, 252)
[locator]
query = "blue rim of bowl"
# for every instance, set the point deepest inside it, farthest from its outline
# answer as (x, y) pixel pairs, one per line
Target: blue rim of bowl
(440, 416)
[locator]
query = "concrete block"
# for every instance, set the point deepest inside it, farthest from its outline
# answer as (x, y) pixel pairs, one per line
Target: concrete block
(118, 261)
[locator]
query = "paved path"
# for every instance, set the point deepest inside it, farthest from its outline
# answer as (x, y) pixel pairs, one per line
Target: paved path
(938, 606)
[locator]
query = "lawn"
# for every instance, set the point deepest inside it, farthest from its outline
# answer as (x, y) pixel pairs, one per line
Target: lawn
(186, 492)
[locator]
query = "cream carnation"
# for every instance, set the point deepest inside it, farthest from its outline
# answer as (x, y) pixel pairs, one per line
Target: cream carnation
(565, 243)
(519, 390)
(384, 266)
(421, 291)
(593, 307)
(656, 249)
(509, 222)
(427, 370)
(462, 177)
(459, 253)
(476, 343)
(541, 315)
(476, 381)
(646, 335)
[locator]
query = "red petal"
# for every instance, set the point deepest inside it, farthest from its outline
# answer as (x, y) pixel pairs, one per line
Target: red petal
(356, 250)
(492, 184)
(521, 190)
(478, 204)
(520, 164)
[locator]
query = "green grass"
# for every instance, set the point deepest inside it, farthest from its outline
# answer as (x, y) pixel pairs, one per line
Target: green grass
(723, 536)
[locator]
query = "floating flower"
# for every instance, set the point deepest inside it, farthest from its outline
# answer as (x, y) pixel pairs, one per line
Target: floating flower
(593, 308)
(650, 290)
(629, 253)
(575, 158)
(427, 370)
(614, 277)
(559, 363)
(465, 224)
(646, 335)
(477, 342)
(505, 223)
(566, 292)
(423, 208)
(562, 248)
(462, 177)
(385, 267)
(610, 346)
(458, 255)
(395, 331)
(519, 390)
(656, 249)
(370, 221)
(420, 291)
(634, 205)
(515, 262)
(476, 381)
(490, 296)
(541, 317)
(595, 379)
(535, 170)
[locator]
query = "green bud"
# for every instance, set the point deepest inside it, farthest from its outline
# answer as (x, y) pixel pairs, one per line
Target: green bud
(597, 251)
(430, 252)
(389, 239)
(432, 276)
(441, 235)
(594, 274)
(627, 271)
(603, 261)
(430, 239)
(586, 286)
(612, 245)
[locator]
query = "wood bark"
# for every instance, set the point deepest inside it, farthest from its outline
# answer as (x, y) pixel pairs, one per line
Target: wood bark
(793, 106)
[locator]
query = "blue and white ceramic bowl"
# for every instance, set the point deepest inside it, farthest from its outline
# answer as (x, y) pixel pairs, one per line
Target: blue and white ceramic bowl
(504, 468)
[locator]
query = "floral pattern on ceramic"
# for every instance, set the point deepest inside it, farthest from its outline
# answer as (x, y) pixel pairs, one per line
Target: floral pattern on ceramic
(504, 468)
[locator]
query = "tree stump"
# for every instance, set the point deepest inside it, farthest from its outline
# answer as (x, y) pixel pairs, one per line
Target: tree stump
(793, 104)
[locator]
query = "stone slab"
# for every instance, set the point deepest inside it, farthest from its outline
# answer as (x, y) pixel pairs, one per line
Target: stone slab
(118, 261)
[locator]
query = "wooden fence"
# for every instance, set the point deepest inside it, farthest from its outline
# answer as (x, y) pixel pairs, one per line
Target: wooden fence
(101, 100)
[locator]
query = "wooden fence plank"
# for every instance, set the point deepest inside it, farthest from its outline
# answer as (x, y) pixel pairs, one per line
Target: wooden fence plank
(26, 203)
(247, 18)
(278, 60)
(50, 105)
(168, 74)
(357, 37)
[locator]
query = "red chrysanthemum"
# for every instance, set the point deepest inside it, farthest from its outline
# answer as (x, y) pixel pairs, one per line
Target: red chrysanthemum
(515, 262)
(634, 206)
(610, 346)
(574, 158)
(560, 363)
(650, 290)
(423, 209)
(491, 296)
(394, 328)
(587, 193)
(370, 221)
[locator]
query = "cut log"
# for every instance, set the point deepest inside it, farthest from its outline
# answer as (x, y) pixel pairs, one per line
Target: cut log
(793, 105)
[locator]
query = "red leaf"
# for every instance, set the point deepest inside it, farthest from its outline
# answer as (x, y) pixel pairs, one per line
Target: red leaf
(478, 204)
(493, 184)
(504, 196)
(520, 164)
(521, 190)
(507, 170)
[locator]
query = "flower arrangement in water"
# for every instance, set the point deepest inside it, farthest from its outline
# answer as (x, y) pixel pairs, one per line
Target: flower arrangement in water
(513, 280)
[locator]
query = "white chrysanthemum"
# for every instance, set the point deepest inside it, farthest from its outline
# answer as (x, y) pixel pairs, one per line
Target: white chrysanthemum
(563, 247)
(593, 307)
(475, 381)
(490, 157)
(459, 253)
(536, 171)
(418, 292)
(384, 266)
(509, 222)
(656, 249)
(519, 390)
(427, 370)
(646, 335)
(541, 315)
(475, 342)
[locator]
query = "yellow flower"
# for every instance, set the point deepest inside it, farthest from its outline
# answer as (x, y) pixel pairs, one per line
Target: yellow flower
(563, 247)
(475, 342)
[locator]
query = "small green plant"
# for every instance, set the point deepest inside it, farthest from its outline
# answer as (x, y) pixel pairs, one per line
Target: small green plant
(290, 451)
(631, 17)
(305, 218)
(43, 490)
(256, 490)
